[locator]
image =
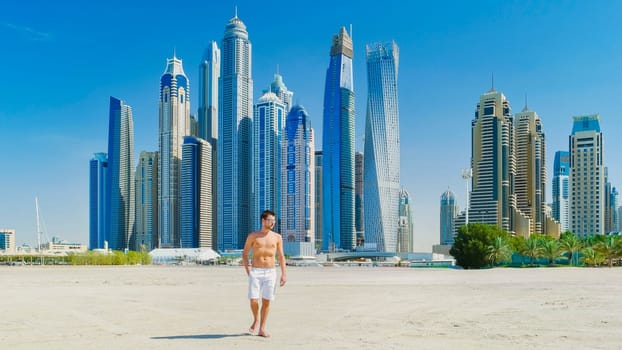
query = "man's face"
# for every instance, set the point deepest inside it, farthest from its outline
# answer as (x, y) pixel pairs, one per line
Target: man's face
(269, 222)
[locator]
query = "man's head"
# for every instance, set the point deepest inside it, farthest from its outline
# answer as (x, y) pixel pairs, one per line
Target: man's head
(268, 218)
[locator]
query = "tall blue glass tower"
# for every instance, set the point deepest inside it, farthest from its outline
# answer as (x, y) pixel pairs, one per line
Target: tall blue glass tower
(121, 175)
(196, 190)
(268, 127)
(235, 117)
(338, 148)
(174, 111)
(381, 164)
(98, 200)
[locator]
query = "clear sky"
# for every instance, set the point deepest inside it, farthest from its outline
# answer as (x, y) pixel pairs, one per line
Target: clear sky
(61, 61)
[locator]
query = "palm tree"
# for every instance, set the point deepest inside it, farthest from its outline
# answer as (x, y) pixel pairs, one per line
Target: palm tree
(592, 257)
(608, 248)
(551, 250)
(532, 248)
(499, 251)
(570, 244)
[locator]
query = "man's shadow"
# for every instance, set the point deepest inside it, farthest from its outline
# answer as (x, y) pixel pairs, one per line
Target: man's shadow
(202, 336)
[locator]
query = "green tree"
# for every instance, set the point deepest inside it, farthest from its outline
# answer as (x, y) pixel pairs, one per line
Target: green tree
(532, 248)
(550, 250)
(471, 244)
(608, 247)
(591, 257)
(570, 244)
(500, 251)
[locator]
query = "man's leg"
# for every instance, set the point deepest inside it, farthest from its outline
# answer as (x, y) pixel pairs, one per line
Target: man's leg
(265, 308)
(255, 311)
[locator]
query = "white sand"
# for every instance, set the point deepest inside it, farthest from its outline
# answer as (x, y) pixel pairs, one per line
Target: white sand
(156, 307)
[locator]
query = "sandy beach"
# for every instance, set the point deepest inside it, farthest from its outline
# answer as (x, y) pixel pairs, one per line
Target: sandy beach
(192, 307)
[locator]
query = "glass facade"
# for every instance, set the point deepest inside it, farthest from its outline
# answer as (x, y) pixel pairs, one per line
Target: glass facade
(98, 200)
(268, 125)
(121, 175)
(381, 164)
(338, 148)
(235, 173)
(561, 171)
(174, 112)
(449, 211)
(146, 236)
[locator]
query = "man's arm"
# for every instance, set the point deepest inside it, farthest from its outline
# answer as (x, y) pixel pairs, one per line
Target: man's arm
(279, 248)
(247, 247)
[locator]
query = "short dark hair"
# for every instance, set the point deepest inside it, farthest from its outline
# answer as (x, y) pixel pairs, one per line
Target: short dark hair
(266, 213)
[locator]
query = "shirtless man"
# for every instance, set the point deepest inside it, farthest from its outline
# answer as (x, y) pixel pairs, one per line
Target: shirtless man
(262, 274)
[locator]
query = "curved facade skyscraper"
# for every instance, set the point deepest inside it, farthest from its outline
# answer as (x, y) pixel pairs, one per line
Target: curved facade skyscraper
(121, 175)
(174, 110)
(381, 164)
(298, 184)
(235, 116)
(561, 173)
(338, 148)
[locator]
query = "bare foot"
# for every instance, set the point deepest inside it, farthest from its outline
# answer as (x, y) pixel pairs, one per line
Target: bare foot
(252, 329)
(263, 334)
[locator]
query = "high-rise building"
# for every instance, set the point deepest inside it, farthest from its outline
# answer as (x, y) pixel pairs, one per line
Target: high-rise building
(561, 171)
(268, 125)
(611, 205)
(235, 174)
(146, 236)
(121, 175)
(359, 223)
(619, 219)
(405, 232)
(449, 211)
(7, 240)
(174, 111)
(382, 147)
(209, 74)
(196, 193)
(530, 179)
(318, 200)
(338, 148)
(493, 162)
(278, 88)
(587, 177)
(99, 210)
(298, 184)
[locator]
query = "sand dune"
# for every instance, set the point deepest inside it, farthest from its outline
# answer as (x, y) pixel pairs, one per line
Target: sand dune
(188, 307)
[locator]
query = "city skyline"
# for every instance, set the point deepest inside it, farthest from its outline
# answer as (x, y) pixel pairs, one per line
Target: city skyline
(565, 69)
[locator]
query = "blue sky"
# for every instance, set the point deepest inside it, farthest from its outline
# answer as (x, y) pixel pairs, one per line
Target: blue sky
(62, 60)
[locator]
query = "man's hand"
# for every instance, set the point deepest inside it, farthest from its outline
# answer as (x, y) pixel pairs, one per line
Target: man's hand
(283, 280)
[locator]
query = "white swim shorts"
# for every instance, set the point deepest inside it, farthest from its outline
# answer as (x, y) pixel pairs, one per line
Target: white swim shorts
(262, 283)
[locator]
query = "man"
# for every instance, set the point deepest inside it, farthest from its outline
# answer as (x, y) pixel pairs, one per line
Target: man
(262, 274)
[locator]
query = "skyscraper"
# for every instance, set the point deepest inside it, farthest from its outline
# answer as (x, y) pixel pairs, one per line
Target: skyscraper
(174, 110)
(278, 88)
(492, 199)
(121, 175)
(587, 176)
(298, 184)
(359, 217)
(611, 205)
(561, 171)
(338, 148)
(147, 202)
(209, 75)
(449, 211)
(530, 180)
(382, 147)
(7, 240)
(196, 190)
(405, 233)
(268, 125)
(235, 174)
(318, 200)
(98, 200)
